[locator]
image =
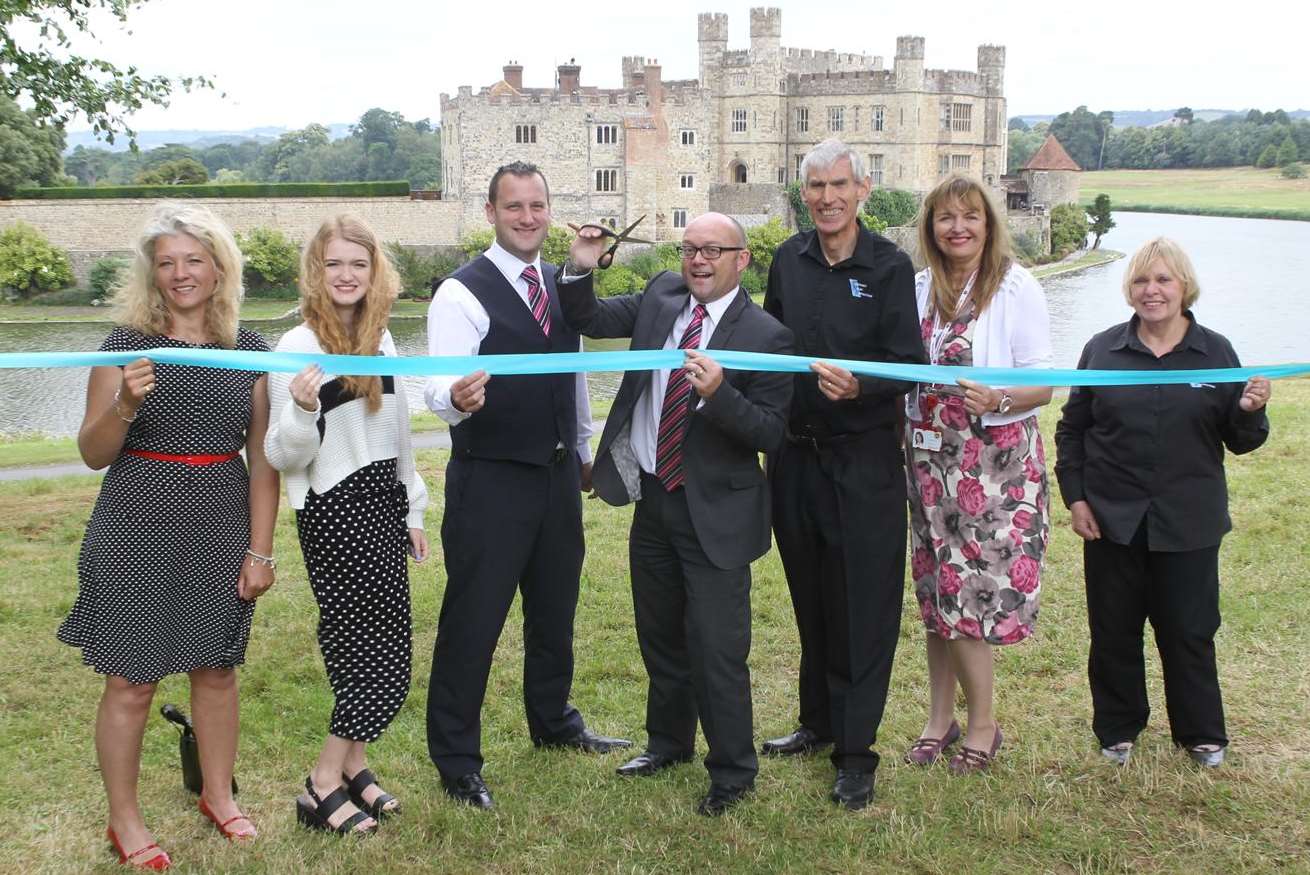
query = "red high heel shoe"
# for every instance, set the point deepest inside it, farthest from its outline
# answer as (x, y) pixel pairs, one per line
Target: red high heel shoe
(230, 834)
(158, 862)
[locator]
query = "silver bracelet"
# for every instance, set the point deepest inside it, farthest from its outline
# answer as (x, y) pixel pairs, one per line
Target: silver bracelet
(118, 410)
(267, 561)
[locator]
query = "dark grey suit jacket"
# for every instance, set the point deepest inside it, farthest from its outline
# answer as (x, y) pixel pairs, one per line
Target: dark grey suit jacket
(727, 493)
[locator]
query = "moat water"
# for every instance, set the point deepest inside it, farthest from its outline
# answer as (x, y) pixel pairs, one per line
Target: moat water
(1252, 272)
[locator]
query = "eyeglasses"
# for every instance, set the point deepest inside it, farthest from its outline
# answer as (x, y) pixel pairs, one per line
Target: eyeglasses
(711, 252)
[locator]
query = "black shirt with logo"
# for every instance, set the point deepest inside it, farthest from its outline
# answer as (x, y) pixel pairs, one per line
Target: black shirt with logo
(861, 308)
(1155, 452)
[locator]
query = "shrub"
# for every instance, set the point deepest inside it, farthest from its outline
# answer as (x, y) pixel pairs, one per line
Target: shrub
(474, 243)
(1292, 171)
(1028, 247)
(417, 271)
(393, 188)
(270, 258)
(651, 261)
(70, 297)
(617, 280)
(105, 275)
(754, 281)
(763, 241)
(1068, 229)
(556, 246)
(183, 171)
(29, 263)
(893, 206)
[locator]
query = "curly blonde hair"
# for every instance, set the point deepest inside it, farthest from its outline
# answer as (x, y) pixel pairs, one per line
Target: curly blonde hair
(139, 304)
(364, 334)
(997, 254)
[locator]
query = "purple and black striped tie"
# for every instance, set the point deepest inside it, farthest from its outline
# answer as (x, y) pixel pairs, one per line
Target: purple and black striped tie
(676, 412)
(538, 300)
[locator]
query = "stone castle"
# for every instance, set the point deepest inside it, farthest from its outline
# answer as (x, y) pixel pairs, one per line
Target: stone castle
(731, 139)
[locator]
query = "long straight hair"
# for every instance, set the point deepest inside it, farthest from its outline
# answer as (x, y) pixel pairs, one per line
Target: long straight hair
(364, 335)
(997, 254)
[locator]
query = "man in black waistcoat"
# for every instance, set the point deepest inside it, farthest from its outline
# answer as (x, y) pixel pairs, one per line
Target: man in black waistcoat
(513, 512)
(839, 483)
(685, 444)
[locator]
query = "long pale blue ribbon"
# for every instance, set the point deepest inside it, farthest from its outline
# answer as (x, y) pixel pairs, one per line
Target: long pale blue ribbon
(632, 360)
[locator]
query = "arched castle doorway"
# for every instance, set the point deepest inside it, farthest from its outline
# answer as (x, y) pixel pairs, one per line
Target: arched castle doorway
(737, 171)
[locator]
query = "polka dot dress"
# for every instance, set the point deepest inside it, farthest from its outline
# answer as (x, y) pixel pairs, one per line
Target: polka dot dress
(354, 539)
(157, 574)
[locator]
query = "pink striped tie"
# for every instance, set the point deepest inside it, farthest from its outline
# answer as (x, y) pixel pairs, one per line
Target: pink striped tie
(676, 411)
(537, 298)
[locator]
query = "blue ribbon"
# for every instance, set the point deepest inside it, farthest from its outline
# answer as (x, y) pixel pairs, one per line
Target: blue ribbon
(631, 360)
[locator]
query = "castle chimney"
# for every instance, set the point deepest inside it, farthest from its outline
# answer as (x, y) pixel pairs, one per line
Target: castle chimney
(653, 80)
(569, 75)
(513, 75)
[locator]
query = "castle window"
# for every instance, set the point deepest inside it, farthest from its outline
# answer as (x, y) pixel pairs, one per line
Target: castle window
(525, 133)
(802, 119)
(960, 162)
(607, 180)
(688, 138)
(739, 80)
(679, 218)
(962, 117)
(835, 116)
(875, 169)
(607, 134)
(799, 159)
(879, 118)
(687, 182)
(738, 121)
(944, 164)
(782, 176)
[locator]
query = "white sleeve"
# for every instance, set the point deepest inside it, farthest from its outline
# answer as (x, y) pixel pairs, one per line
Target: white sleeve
(1030, 325)
(291, 442)
(457, 324)
(582, 401)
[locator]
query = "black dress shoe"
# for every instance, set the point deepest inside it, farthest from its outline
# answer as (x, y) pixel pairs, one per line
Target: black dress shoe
(722, 797)
(586, 741)
(852, 790)
(469, 789)
(649, 763)
(803, 740)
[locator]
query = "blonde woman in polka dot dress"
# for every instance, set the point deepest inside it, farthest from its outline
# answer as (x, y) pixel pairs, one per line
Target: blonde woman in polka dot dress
(180, 542)
(344, 445)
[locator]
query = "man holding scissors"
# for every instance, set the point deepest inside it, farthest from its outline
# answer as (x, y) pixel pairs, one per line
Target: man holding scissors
(519, 461)
(839, 485)
(684, 444)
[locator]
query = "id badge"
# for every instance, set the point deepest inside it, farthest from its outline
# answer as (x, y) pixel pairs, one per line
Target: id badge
(926, 439)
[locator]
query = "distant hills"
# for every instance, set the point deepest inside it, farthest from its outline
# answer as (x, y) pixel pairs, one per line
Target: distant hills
(1145, 118)
(147, 140)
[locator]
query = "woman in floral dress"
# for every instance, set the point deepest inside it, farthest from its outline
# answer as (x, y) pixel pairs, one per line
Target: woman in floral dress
(976, 467)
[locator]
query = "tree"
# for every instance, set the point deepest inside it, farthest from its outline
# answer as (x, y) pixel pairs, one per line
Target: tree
(182, 171)
(1099, 214)
(1268, 158)
(891, 205)
(1018, 124)
(1184, 114)
(60, 84)
(271, 260)
(1082, 134)
(1287, 152)
(88, 166)
(29, 150)
(1068, 229)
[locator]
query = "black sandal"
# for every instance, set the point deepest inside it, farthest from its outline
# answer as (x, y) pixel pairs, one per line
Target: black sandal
(318, 816)
(358, 784)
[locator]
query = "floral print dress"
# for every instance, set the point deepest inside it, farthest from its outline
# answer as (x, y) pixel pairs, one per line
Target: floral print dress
(979, 509)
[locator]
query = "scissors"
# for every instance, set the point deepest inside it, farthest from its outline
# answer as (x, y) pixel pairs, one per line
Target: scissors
(607, 258)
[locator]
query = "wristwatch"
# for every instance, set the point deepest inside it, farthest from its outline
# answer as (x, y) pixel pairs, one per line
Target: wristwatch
(1003, 406)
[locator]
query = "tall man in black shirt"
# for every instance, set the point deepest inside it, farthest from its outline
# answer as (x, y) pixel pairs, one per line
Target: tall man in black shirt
(839, 483)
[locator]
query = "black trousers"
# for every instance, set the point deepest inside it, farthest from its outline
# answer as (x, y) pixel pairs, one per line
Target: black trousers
(1179, 594)
(694, 629)
(840, 522)
(507, 527)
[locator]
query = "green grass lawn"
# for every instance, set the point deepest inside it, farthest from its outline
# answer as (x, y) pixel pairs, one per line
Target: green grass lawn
(1235, 191)
(1050, 804)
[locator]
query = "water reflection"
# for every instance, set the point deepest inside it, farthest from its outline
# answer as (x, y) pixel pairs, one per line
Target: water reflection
(1252, 283)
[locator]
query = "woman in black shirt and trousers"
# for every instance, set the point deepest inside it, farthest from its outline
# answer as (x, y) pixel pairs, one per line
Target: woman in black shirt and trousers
(1141, 469)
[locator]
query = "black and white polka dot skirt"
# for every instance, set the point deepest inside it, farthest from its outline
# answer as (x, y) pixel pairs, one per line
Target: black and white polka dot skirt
(355, 540)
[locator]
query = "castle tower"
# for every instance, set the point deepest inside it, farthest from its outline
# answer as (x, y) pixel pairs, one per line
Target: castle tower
(766, 38)
(909, 63)
(633, 68)
(712, 35)
(991, 66)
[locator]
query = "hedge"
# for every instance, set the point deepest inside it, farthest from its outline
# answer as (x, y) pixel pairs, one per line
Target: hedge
(1292, 215)
(392, 188)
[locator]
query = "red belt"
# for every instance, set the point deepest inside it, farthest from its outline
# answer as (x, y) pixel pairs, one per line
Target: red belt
(196, 459)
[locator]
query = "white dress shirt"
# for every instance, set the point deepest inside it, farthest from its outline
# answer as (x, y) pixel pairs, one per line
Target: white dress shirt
(646, 415)
(457, 325)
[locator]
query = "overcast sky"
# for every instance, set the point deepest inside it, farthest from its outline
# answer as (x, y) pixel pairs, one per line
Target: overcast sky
(281, 65)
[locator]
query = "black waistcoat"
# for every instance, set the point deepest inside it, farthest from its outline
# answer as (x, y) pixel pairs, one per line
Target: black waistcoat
(525, 417)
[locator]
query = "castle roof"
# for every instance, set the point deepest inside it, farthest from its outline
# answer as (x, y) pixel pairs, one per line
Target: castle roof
(502, 89)
(1051, 156)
